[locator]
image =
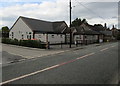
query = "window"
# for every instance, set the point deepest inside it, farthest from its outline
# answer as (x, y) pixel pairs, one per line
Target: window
(52, 36)
(85, 36)
(22, 36)
(30, 36)
(27, 36)
(61, 36)
(12, 35)
(26, 32)
(39, 36)
(29, 32)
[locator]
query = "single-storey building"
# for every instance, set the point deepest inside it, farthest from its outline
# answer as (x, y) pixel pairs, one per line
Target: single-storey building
(115, 32)
(106, 33)
(28, 28)
(85, 35)
(82, 34)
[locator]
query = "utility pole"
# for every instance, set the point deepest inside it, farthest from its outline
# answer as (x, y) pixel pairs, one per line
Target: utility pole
(70, 26)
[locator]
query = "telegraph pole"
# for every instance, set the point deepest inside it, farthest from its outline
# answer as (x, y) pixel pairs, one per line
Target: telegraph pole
(70, 26)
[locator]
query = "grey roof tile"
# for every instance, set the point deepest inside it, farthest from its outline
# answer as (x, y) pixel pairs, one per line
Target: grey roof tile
(43, 26)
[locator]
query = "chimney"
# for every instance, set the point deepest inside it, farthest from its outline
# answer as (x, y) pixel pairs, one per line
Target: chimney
(113, 27)
(105, 26)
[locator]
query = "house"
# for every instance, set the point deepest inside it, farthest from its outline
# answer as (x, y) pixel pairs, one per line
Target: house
(83, 34)
(86, 35)
(115, 32)
(28, 28)
(106, 33)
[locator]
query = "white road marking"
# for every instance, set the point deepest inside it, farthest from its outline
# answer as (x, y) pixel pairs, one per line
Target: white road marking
(85, 55)
(48, 68)
(112, 46)
(17, 54)
(21, 60)
(21, 77)
(104, 49)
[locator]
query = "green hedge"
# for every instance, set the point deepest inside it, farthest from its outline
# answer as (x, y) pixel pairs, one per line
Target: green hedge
(27, 43)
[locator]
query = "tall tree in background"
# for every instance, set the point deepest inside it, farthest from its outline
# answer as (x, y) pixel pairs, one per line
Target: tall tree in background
(5, 32)
(78, 22)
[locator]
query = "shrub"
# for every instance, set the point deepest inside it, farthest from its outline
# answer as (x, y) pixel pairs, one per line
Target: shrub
(6, 40)
(27, 43)
(15, 42)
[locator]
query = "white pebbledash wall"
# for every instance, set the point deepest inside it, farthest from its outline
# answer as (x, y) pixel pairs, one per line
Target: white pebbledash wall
(88, 37)
(57, 38)
(52, 38)
(41, 37)
(19, 29)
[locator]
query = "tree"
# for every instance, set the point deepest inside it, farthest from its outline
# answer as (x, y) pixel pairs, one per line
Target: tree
(100, 25)
(84, 21)
(76, 22)
(5, 32)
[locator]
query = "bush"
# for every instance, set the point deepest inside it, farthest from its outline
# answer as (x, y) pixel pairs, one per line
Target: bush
(15, 42)
(6, 40)
(27, 43)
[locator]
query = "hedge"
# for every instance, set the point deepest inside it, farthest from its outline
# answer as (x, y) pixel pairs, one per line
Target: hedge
(26, 43)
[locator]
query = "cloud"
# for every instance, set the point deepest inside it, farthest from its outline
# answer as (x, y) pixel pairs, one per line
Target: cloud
(58, 10)
(25, 0)
(50, 11)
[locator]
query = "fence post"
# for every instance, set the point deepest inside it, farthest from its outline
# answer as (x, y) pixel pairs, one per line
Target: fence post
(61, 44)
(47, 45)
(86, 42)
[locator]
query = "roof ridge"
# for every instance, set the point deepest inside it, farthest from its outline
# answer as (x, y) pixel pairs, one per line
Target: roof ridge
(35, 19)
(42, 20)
(58, 21)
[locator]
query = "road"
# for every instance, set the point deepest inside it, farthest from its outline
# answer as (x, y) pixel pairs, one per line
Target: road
(95, 65)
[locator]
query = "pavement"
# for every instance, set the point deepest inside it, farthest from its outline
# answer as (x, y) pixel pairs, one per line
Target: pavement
(91, 65)
(13, 53)
(9, 58)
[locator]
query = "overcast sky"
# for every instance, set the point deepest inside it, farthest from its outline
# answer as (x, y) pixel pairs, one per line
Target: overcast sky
(96, 12)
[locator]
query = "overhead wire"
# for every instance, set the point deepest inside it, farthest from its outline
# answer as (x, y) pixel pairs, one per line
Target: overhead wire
(90, 10)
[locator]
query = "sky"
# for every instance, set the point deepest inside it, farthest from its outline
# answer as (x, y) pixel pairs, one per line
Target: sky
(95, 11)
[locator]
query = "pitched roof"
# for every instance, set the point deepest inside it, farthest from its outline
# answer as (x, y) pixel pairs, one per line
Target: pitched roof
(98, 28)
(68, 29)
(44, 26)
(107, 33)
(84, 29)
